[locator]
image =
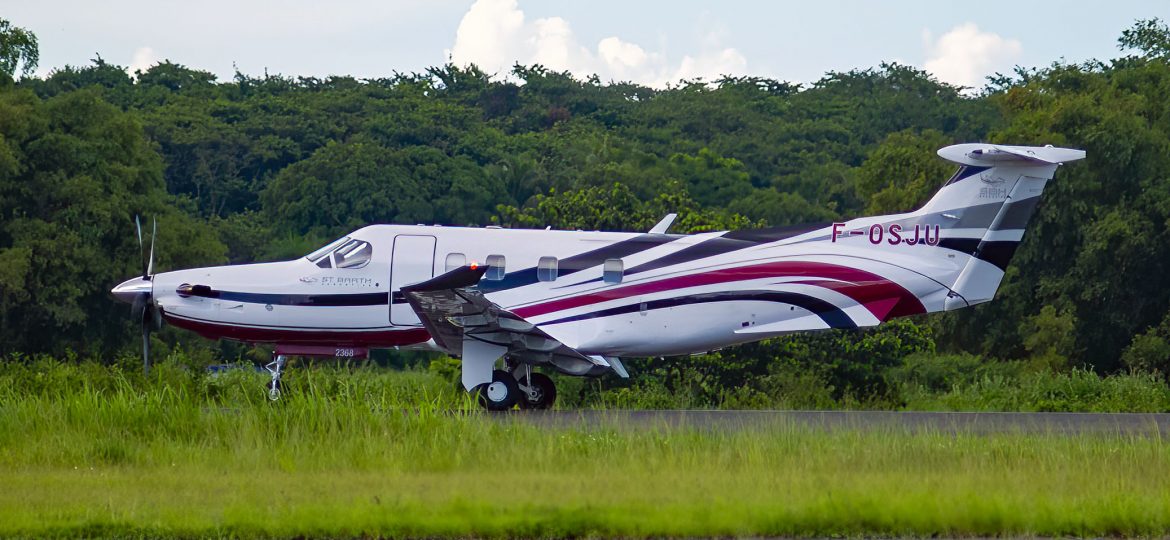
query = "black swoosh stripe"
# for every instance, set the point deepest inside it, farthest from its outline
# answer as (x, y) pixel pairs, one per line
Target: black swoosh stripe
(963, 245)
(583, 261)
(832, 315)
(773, 234)
(997, 252)
(1017, 214)
(728, 242)
(327, 300)
(707, 248)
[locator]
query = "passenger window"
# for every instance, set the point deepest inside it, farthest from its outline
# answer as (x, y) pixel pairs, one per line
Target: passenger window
(455, 260)
(612, 271)
(353, 254)
(546, 269)
(495, 270)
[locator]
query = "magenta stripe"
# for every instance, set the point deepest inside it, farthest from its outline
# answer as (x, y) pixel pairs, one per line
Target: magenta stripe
(862, 285)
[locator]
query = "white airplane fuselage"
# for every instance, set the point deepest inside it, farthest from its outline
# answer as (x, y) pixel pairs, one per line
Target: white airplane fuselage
(579, 300)
(298, 302)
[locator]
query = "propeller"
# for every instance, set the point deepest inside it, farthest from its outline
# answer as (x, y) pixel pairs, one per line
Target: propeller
(142, 308)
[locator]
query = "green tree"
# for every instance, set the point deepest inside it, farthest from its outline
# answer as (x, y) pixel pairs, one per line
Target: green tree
(1150, 350)
(616, 208)
(1151, 36)
(18, 50)
(903, 172)
(74, 170)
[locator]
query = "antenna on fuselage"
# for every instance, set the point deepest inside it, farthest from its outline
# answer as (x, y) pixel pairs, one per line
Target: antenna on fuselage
(663, 225)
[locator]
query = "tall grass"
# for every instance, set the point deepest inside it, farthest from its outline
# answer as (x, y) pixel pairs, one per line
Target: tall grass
(86, 451)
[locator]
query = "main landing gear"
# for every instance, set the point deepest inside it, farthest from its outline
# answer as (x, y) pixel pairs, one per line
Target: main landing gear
(275, 368)
(519, 387)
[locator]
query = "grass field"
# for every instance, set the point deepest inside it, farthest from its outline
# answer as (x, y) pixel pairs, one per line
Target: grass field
(86, 451)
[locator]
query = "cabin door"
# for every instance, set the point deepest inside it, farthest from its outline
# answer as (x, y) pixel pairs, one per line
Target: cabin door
(414, 261)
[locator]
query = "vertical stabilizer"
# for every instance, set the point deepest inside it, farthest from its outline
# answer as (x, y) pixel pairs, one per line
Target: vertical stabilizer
(991, 199)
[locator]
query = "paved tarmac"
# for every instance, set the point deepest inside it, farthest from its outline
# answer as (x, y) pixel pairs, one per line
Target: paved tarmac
(945, 422)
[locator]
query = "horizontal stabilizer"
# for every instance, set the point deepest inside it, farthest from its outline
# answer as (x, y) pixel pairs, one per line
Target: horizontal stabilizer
(985, 155)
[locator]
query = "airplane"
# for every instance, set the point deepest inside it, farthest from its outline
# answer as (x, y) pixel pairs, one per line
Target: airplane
(577, 302)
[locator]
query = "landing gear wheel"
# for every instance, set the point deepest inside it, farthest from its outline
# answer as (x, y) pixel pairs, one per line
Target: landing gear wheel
(274, 388)
(276, 369)
(541, 393)
(501, 394)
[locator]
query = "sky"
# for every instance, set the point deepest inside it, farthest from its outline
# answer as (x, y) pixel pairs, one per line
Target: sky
(653, 43)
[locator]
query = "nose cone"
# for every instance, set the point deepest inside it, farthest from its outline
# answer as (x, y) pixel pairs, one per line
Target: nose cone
(131, 288)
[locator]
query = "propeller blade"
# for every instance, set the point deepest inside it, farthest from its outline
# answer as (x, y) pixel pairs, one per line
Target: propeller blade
(138, 305)
(145, 347)
(154, 233)
(138, 228)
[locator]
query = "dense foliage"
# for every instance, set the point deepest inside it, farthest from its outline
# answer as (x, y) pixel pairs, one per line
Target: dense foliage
(266, 167)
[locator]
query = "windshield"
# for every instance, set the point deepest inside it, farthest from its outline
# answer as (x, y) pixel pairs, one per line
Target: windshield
(354, 254)
(314, 256)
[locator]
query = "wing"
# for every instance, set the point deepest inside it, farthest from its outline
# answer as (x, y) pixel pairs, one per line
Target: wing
(465, 323)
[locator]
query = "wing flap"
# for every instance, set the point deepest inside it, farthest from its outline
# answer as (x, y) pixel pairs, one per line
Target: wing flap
(455, 311)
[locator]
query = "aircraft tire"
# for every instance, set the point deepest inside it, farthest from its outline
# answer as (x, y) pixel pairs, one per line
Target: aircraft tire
(501, 394)
(275, 390)
(546, 393)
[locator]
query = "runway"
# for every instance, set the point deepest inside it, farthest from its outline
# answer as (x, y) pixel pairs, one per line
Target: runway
(1148, 424)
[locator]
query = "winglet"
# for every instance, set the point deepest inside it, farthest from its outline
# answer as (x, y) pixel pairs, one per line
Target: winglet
(661, 227)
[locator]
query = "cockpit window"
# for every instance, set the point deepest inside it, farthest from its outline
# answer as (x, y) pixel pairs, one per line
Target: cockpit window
(353, 254)
(328, 248)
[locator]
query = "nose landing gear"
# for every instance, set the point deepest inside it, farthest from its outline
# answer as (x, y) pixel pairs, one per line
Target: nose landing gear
(275, 368)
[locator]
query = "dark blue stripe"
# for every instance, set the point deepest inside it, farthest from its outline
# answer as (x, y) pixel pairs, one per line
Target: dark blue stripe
(965, 171)
(328, 300)
(832, 315)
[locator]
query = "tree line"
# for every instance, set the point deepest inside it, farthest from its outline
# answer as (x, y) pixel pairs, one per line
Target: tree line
(267, 167)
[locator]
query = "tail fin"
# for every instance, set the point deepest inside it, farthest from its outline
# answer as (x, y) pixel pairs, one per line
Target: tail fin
(986, 206)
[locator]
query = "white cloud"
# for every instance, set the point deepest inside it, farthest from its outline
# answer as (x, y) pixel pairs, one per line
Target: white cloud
(494, 35)
(486, 32)
(709, 65)
(144, 57)
(965, 55)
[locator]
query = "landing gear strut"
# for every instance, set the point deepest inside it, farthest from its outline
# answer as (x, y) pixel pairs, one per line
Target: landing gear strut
(275, 368)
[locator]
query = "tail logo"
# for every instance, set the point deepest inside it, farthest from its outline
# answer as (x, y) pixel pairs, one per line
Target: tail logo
(990, 177)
